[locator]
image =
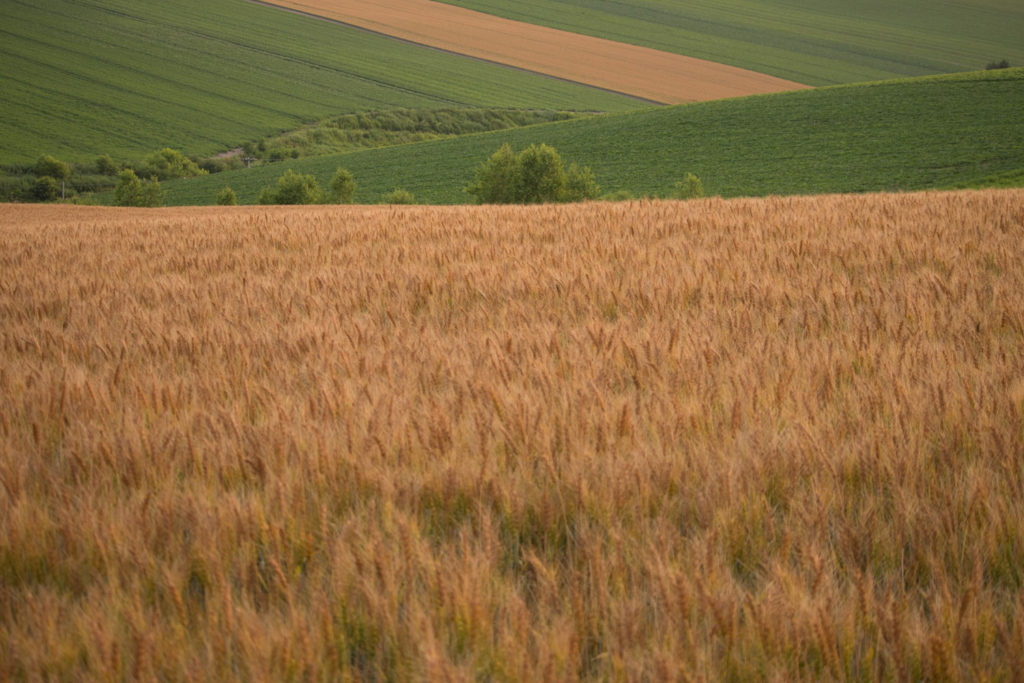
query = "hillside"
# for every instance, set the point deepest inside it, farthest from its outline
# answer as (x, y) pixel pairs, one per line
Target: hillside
(125, 78)
(655, 75)
(904, 134)
(818, 42)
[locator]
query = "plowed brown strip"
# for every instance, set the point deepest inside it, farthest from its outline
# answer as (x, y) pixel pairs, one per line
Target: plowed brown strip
(651, 74)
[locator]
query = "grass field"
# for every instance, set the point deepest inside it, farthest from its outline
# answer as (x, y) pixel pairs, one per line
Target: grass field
(906, 134)
(818, 42)
(771, 439)
(124, 78)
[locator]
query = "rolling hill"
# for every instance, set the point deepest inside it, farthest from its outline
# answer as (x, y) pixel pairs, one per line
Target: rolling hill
(123, 78)
(904, 134)
(656, 75)
(818, 42)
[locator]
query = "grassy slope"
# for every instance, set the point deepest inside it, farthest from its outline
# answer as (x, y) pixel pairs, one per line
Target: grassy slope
(810, 41)
(906, 134)
(119, 77)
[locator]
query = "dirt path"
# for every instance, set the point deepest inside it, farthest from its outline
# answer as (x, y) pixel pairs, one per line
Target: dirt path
(642, 72)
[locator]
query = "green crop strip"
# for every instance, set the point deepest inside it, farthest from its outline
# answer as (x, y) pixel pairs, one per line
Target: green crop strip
(85, 78)
(818, 42)
(907, 134)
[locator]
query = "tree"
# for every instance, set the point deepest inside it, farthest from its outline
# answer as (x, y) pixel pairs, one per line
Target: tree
(534, 175)
(343, 186)
(494, 178)
(539, 175)
(106, 166)
(293, 188)
(170, 163)
(152, 193)
(580, 184)
(690, 187)
(54, 168)
(227, 197)
(45, 189)
(131, 191)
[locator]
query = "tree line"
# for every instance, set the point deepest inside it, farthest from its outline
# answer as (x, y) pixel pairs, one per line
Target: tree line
(534, 175)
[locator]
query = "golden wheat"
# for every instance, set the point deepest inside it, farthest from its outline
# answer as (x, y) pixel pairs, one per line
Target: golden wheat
(771, 439)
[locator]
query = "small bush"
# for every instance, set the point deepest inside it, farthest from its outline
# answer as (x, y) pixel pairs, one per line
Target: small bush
(54, 168)
(293, 188)
(998, 65)
(45, 189)
(131, 191)
(220, 164)
(227, 197)
(494, 178)
(580, 184)
(106, 166)
(170, 163)
(690, 187)
(343, 186)
(398, 196)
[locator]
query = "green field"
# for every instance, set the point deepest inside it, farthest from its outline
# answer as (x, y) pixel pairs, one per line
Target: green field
(906, 134)
(83, 78)
(817, 42)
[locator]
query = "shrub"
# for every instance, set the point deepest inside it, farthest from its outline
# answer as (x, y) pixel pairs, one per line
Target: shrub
(54, 168)
(220, 164)
(580, 184)
(534, 175)
(170, 163)
(45, 189)
(293, 188)
(398, 196)
(106, 166)
(494, 178)
(227, 197)
(131, 191)
(998, 65)
(343, 186)
(539, 175)
(690, 187)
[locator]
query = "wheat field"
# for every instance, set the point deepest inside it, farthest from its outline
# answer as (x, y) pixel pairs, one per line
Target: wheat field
(755, 439)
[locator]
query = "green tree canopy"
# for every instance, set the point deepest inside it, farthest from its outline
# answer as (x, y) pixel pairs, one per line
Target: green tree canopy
(170, 163)
(535, 175)
(54, 168)
(227, 197)
(131, 191)
(343, 186)
(293, 188)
